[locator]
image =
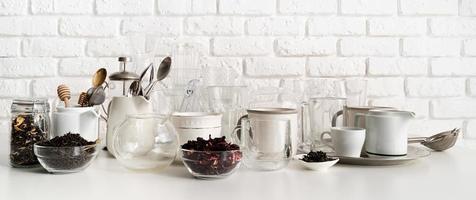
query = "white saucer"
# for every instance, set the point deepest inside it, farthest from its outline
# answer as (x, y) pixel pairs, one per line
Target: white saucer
(413, 154)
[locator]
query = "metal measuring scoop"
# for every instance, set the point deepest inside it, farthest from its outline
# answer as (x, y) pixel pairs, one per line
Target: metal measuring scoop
(98, 96)
(439, 142)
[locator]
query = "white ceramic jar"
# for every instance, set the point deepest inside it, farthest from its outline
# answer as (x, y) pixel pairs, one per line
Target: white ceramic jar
(190, 125)
(82, 120)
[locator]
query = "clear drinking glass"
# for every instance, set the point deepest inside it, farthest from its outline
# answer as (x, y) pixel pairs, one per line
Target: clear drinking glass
(356, 92)
(265, 142)
(227, 100)
(321, 111)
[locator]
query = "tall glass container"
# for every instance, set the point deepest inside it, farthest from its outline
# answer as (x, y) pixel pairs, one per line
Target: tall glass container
(30, 124)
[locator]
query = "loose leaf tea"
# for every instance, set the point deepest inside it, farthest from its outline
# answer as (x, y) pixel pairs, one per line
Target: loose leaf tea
(67, 140)
(216, 144)
(72, 152)
(212, 156)
(316, 156)
(25, 133)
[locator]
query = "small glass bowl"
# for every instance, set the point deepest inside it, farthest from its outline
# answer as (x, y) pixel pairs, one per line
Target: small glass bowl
(65, 159)
(211, 164)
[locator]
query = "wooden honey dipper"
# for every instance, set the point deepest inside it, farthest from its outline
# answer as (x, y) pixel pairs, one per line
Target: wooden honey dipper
(64, 94)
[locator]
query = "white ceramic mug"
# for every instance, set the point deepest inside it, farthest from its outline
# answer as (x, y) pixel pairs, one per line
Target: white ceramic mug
(81, 120)
(278, 114)
(346, 141)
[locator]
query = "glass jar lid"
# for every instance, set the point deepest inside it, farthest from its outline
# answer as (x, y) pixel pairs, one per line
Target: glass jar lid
(30, 105)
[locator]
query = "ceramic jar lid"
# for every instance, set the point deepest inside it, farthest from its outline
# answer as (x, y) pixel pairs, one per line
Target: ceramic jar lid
(191, 120)
(272, 111)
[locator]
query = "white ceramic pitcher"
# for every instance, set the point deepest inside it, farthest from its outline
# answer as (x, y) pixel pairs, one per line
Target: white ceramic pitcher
(82, 120)
(118, 109)
(386, 131)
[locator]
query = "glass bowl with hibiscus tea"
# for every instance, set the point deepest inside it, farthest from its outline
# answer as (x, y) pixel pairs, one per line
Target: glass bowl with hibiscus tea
(212, 158)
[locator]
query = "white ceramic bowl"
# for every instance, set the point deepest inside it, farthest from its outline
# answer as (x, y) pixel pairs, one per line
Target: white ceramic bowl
(316, 166)
(196, 120)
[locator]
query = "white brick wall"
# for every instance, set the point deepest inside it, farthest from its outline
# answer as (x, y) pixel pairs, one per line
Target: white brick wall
(337, 26)
(332, 66)
(369, 46)
(212, 25)
(62, 7)
(369, 7)
(429, 7)
(82, 26)
(456, 26)
(453, 66)
(13, 7)
(385, 26)
(472, 87)
(308, 6)
(468, 7)
(306, 46)
(397, 66)
(278, 26)
(435, 87)
(418, 55)
(470, 47)
(431, 47)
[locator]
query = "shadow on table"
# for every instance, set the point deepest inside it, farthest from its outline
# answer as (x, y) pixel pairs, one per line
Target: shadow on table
(176, 169)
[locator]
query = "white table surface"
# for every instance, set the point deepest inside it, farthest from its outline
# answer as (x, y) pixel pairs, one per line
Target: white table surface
(442, 175)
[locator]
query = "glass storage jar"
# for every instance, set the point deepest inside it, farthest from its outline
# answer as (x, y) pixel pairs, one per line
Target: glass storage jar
(30, 124)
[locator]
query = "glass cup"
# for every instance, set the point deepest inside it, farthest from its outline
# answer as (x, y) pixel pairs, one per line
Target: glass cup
(227, 100)
(356, 92)
(265, 143)
(320, 112)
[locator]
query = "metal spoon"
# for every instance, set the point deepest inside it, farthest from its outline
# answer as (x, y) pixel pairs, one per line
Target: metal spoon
(139, 89)
(164, 68)
(162, 72)
(99, 77)
(98, 97)
(439, 142)
(134, 88)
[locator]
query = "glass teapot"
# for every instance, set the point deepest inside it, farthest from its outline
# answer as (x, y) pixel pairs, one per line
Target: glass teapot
(145, 142)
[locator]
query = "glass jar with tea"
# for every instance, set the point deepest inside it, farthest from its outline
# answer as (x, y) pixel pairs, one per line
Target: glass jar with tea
(30, 124)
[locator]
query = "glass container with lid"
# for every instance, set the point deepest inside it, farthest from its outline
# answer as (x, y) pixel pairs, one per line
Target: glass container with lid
(30, 124)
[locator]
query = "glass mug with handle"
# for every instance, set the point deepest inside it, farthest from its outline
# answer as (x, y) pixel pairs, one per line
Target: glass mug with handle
(266, 143)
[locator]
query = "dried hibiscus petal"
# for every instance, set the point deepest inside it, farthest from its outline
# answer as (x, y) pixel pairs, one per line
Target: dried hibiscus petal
(214, 156)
